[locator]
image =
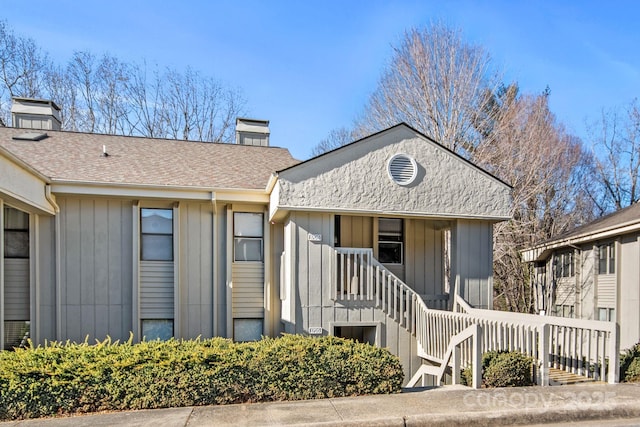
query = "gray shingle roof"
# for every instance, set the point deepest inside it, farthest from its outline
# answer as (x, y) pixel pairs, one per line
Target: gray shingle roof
(72, 156)
(615, 219)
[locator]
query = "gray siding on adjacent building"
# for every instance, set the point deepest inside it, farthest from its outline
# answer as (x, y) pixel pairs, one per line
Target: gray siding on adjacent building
(16, 289)
(628, 300)
(606, 290)
(195, 255)
(248, 290)
(472, 261)
(156, 290)
(424, 249)
(44, 320)
(565, 291)
(96, 268)
(585, 279)
(220, 261)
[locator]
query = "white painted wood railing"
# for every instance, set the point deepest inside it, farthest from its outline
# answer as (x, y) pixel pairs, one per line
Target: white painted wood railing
(587, 348)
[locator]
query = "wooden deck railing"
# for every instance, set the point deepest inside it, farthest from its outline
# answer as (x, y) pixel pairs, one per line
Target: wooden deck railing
(584, 347)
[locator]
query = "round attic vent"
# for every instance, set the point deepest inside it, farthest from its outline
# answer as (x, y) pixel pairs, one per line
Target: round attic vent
(402, 169)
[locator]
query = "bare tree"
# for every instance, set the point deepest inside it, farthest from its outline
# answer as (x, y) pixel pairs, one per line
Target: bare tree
(199, 108)
(615, 140)
(112, 105)
(105, 95)
(336, 138)
(81, 72)
(22, 64)
(435, 82)
(147, 112)
(526, 147)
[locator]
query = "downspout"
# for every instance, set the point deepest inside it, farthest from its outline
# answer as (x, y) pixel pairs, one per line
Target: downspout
(58, 280)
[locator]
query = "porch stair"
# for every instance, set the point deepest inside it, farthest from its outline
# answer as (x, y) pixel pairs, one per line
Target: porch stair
(453, 340)
(560, 377)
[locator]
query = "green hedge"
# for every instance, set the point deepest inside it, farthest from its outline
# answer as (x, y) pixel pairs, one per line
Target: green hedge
(76, 378)
(630, 364)
(503, 369)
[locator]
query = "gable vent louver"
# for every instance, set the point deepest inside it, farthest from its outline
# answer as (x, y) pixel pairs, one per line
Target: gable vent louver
(402, 169)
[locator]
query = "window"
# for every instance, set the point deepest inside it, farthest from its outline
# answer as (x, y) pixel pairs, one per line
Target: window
(157, 329)
(607, 258)
(565, 264)
(390, 240)
(607, 314)
(156, 234)
(247, 329)
(563, 310)
(248, 233)
(16, 333)
(363, 334)
(16, 233)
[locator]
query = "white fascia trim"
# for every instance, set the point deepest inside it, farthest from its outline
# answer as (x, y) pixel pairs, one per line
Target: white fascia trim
(26, 204)
(536, 253)
(393, 213)
(161, 192)
(272, 183)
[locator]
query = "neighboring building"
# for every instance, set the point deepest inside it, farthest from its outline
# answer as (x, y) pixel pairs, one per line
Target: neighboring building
(593, 272)
(112, 235)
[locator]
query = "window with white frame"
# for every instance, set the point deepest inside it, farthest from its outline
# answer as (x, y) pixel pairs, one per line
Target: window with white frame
(156, 234)
(390, 240)
(248, 236)
(607, 258)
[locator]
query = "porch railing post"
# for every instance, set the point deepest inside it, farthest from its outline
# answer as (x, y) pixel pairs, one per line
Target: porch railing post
(455, 370)
(477, 356)
(614, 355)
(544, 335)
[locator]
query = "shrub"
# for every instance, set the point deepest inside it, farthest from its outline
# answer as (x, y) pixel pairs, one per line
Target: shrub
(509, 369)
(76, 378)
(630, 364)
(503, 369)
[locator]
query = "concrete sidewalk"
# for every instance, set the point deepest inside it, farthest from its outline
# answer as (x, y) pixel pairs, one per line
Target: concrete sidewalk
(444, 406)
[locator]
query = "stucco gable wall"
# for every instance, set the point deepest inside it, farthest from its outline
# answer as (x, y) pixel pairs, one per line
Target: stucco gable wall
(355, 179)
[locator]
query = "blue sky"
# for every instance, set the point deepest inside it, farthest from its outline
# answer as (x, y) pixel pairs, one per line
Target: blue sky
(309, 66)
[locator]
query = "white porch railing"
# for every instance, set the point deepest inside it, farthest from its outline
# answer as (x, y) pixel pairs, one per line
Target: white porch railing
(587, 348)
(584, 347)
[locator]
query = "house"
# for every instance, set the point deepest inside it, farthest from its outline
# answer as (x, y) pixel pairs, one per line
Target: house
(593, 272)
(387, 240)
